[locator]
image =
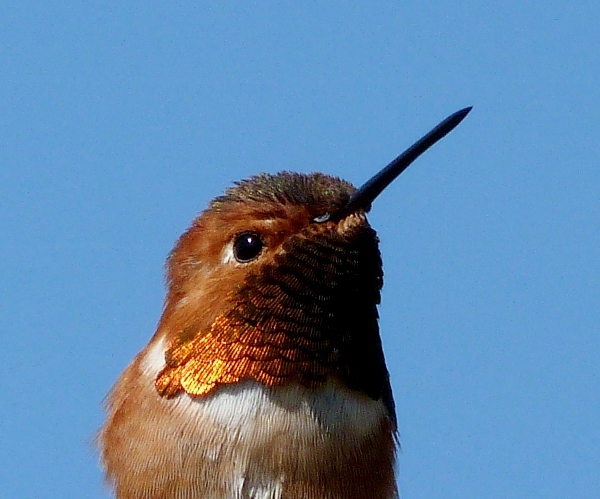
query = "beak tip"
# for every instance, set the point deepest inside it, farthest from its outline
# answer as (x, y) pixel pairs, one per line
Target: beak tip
(461, 114)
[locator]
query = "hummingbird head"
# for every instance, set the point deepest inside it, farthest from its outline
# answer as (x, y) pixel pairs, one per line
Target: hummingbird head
(267, 285)
(278, 281)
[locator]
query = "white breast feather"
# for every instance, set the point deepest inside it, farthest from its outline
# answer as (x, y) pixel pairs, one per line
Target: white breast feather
(251, 414)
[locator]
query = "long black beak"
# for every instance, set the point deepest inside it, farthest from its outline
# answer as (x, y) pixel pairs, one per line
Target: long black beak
(367, 193)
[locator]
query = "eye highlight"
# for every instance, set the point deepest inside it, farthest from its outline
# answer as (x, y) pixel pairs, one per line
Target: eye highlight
(247, 246)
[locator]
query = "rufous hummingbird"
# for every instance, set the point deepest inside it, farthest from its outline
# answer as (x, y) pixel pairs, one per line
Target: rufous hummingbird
(265, 378)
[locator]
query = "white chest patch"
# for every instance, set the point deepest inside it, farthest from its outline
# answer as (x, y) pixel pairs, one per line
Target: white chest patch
(248, 423)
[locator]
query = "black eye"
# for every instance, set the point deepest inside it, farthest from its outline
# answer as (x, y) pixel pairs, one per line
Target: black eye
(247, 247)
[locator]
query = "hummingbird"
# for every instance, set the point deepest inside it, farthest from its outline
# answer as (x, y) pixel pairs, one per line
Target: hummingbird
(265, 378)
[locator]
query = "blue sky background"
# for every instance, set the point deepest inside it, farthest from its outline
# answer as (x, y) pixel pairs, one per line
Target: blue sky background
(119, 122)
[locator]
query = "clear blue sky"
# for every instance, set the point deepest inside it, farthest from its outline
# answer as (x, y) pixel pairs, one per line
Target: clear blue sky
(120, 122)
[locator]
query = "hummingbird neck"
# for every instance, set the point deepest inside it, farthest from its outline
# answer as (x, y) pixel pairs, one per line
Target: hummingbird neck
(308, 316)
